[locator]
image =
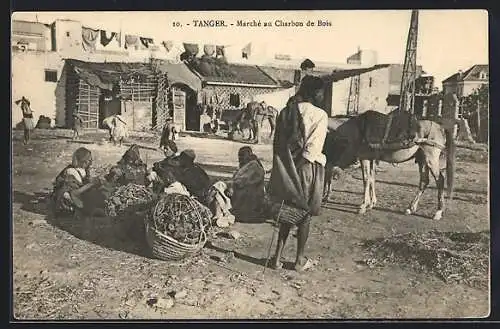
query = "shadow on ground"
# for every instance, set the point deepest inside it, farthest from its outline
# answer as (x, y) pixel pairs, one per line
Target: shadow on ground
(124, 234)
(430, 187)
(249, 259)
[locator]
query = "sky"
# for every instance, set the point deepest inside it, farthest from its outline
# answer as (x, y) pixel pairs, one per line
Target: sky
(448, 40)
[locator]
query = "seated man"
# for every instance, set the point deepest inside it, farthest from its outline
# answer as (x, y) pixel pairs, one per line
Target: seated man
(73, 177)
(247, 186)
(243, 195)
(185, 171)
(191, 175)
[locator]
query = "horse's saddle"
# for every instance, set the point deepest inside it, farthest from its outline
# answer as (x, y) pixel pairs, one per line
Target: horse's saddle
(399, 136)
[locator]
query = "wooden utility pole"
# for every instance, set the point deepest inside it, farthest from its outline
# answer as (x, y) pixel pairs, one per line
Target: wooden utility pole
(478, 116)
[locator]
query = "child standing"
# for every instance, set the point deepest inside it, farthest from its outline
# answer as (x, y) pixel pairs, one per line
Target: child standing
(77, 125)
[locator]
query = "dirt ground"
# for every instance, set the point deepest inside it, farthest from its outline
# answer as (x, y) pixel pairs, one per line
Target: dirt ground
(58, 273)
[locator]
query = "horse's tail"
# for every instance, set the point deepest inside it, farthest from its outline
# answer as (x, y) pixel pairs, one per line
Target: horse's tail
(450, 160)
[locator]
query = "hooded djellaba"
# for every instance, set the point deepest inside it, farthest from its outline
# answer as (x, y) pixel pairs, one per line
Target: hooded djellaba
(247, 186)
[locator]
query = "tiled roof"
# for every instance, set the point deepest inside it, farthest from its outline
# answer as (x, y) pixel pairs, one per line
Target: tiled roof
(472, 74)
(284, 76)
(236, 73)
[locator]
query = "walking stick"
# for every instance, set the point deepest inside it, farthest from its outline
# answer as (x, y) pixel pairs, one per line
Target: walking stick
(272, 238)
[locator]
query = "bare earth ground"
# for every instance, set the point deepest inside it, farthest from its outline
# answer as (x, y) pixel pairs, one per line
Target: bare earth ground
(59, 274)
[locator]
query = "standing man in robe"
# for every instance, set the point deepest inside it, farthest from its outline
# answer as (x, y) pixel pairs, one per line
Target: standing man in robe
(298, 170)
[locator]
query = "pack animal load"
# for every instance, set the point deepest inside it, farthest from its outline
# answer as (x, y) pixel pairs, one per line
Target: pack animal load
(177, 226)
(129, 198)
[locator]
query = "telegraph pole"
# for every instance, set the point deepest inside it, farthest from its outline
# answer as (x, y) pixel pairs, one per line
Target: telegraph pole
(407, 90)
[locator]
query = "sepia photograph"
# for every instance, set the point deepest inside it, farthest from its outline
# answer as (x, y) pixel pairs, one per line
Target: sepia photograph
(250, 165)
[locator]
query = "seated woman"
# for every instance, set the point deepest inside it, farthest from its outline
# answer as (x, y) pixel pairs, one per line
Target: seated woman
(130, 168)
(247, 189)
(72, 177)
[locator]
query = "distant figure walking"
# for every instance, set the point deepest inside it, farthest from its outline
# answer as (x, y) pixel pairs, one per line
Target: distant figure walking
(117, 127)
(169, 133)
(77, 125)
(28, 121)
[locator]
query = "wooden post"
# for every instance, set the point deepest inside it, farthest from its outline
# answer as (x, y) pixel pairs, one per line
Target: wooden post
(478, 124)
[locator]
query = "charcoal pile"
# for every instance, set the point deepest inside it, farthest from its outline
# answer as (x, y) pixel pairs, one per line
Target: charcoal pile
(451, 256)
(100, 170)
(129, 198)
(181, 217)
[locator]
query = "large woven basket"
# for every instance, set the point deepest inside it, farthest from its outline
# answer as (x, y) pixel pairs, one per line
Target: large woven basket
(167, 248)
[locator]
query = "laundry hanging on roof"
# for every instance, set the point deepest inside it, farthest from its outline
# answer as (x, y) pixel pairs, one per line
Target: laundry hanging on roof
(246, 51)
(209, 50)
(191, 48)
(220, 51)
(131, 41)
(89, 38)
(104, 38)
(146, 41)
(210, 97)
(168, 45)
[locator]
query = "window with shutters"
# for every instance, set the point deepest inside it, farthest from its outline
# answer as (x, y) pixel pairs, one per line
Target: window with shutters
(51, 75)
(234, 100)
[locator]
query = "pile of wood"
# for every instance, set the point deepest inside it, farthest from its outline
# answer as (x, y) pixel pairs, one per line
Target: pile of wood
(452, 256)
(129, 198)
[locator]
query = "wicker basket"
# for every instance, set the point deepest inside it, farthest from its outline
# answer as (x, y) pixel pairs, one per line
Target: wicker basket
(167, 248)
(291, 215)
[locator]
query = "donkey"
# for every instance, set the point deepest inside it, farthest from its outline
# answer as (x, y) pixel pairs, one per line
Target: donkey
(361, 138)
(253, 116)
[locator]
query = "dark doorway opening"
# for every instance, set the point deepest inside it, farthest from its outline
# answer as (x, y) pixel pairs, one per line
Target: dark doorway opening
(109, 104)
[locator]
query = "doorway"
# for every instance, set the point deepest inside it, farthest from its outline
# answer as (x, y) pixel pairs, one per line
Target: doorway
(192, 116)
(108, 105)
